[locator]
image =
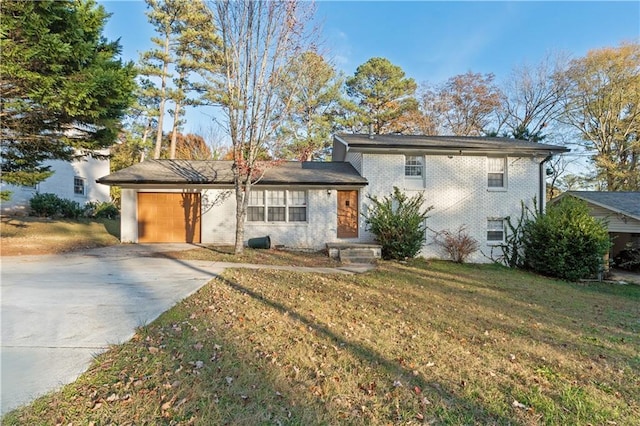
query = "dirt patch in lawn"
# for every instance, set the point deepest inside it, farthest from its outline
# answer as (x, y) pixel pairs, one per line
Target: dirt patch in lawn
(30, 236)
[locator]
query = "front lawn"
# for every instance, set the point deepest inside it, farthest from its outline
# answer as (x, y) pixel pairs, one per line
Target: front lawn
(32, 235)
(415, 343)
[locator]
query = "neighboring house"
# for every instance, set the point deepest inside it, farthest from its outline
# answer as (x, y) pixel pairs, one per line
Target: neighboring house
(470, 181)
(621, 212)
(74, 181)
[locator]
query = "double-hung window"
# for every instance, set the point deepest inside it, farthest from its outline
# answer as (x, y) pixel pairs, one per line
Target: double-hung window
(79, 186)
(297, 206)
(255, 210)
(413, 166)
(495, 231)
(496, 172)
(277, 206)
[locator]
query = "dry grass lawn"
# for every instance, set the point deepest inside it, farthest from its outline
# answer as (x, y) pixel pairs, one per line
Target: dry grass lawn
(254, 256)
(416, 343)
(31, 235)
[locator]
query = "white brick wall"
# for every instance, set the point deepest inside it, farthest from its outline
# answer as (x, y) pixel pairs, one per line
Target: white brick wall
(218, 219)
(457, 189)
(61, 184)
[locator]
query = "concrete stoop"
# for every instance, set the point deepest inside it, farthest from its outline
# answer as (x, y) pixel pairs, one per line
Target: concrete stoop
(354, 253)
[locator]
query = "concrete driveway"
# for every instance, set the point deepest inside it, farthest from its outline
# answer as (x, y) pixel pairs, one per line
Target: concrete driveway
(58, 311)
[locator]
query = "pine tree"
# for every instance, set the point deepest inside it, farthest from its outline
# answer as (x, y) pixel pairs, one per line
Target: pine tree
(382, 93)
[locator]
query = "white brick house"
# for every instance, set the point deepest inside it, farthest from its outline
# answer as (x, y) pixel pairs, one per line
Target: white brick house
(75, 180)
(469, 181)
(475, 182)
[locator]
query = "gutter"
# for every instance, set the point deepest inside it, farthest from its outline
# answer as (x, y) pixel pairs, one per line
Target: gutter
(542, 183)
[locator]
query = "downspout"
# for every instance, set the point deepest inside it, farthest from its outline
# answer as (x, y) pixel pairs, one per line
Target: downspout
(543, 183)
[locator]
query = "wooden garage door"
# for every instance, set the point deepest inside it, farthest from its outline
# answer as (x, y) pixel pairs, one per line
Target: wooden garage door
(168, 217)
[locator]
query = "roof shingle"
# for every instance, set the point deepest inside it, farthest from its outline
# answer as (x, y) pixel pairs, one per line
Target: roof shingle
(447, 143)
(194, 172)
(627, 203)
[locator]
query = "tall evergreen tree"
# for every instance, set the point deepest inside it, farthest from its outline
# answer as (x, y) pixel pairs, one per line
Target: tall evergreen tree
(187, 44)
(197, 52)
(63, 88)
(382, 93)
(154, 63)
(313, 90)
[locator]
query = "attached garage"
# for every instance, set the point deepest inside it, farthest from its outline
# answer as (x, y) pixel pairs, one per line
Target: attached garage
(168, 217)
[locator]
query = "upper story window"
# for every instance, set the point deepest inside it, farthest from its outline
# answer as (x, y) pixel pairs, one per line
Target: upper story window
(413, 166)
(495, 231)
(496, 172)
(79, 187)
(277, 206)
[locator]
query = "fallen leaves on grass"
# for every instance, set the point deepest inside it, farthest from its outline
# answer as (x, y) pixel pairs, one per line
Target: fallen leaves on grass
(403, 345)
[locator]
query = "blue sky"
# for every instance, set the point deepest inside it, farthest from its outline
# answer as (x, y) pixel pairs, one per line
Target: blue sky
(433, 40)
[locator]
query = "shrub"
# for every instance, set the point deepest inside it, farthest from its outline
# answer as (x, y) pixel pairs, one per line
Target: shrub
(398, 222)
(50, 205)
(101, 210)
(628, 259)
(45, 205)
(511, 252)
(70, 209)
(458, 245)
(565, 242)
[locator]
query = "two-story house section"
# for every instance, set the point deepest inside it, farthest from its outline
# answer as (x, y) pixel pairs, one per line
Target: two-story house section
(475, 182)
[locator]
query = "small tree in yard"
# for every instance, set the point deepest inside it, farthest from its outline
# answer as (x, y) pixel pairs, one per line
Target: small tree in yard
(565, 242)
(398, 222)
(458, 245)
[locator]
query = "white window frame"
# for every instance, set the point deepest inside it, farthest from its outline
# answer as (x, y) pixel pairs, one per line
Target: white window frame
(297, 203)
(492, 223)
(271, 204)
(414, 163)
(503, 172)
(266, 202)
(83, 187)
(256, 201)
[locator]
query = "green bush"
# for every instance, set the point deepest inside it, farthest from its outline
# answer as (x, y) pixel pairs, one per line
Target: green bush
(45, 205)
(101, 210)
(398, 222)
(70, 209)
(565, 242)
(50, 205)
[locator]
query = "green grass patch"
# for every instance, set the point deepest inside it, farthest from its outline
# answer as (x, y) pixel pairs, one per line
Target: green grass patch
(421, 342)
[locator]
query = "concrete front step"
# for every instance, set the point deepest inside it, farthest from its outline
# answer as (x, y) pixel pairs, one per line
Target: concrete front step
(354, 253)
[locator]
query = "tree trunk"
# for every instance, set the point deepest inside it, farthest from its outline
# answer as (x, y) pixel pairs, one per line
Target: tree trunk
(174, 131)
(242, 199)
(163, 94)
